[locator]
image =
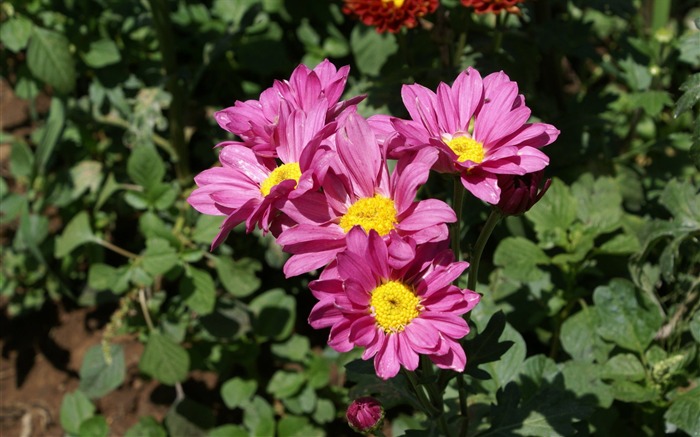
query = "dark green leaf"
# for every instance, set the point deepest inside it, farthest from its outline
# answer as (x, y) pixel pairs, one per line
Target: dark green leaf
(238, 277)
(325, 411)
(189, 418)
(21, 159)
(164, 360)
(624, 366)
(49, 59)
(228, 431)
(206, 228)
(691, 95)
(259, 417)
(295, 426)
(99, 376)
(695, 327)
(146, 427)
(285, 384)
(294, 349)
(485, 347)
(685, 412)
(75, 408)
(519, 258)
(683, 201)
(579, 339)
(77, 232)
(94, 427)
(651, 101)
(145, 166)
(584, 379)
(199, 291)
(275, 313)
(553, 214)
(159, 256)
(53, 132)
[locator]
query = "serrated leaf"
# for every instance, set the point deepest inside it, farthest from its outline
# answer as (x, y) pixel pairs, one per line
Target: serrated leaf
(624, 366)
(164, 360)
(651, 101)
(275, 313)
(99, 377)
(485, 346)
(285, 384)
(159, 256)
(626, 317)
(371, 49)
(15, 33)
(77, 232)
(146, 427)
(239, 277)
(636, 75)
(683, 201)
(685, 412)
(553, 214)
(579, 338)
(584, 379)
(519, 258)
(101, 53)
(75, 408)
(145, 166)
(49, 59)
(599, 203)
(199, 291)
(508, 366)
(691, 95)
(237, 392)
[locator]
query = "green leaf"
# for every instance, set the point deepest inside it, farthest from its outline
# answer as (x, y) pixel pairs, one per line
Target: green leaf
(145, 166)
(236, 392)
(159, 257)
(682, 200)
(164, 360)
(583, 379)
(689, 47)
(53, 132)
(228, 431)
(275, 314)
(98, 376)
(627, 318)
(537, 371)
(295, 426)
(49, 59)
(302, 403)
(651, 101)
(294, 349)
(685, 412)
(371, 49)
(553, 214)
(189, 418)
(199, 291)
(695, 326)
(599, 203)
(105, 277)
(691, 95)
(485, 346)
(325, 411)
(75, 408)
(94, 427)
(102, 52)
(86, 175)
(285, 384)
(206, 228)
(21, 159)
(239, 277)
(33, 229)
(76, 233)
(259, 417)
(508, 366)
(109, 187)
(579, 338)
(624, 366)
(146, 427)
(15, 33)
(519, 258)
(637, 76)
(628, 391)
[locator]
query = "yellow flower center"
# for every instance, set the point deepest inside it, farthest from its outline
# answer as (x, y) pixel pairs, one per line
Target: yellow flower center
(394, 306)
(397, 3)
(281, 173)
(378, 213)
(467, 149)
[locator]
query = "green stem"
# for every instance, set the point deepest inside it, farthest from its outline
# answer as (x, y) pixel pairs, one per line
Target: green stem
(462, 389)
(498, 38)
(458, 200)
(490, 224)
(176, 113)
(428, 407)
(117, 249)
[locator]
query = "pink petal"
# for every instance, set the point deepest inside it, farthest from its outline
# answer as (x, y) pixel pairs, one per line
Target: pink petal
(386, 362)
(426, 213)
(482, 185)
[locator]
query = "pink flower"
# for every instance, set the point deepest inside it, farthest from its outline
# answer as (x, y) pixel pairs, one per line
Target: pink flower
(479, 126)
(365, 415)
(395, 306)
(250, 188)
(254, 120)
(359, 191)
(520, 193)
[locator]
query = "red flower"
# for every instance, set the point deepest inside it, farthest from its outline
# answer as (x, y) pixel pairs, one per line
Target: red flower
(520, 192)
(365, 415)
(493, 6)
(389, 15)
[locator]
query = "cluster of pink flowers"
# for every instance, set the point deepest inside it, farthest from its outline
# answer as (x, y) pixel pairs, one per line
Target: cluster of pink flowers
(314, 173)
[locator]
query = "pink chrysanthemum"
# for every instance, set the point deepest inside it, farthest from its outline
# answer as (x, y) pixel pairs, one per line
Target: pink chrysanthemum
(358, 190)
(390, 15)
(255, 120)
(394, 309)
(479, 126)
(250, 188)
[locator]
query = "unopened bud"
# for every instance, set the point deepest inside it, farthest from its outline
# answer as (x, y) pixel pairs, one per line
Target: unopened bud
(520, 192)
(365, 415)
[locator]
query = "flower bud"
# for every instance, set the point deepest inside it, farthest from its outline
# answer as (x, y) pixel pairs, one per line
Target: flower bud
(520, 192)
(365, 415)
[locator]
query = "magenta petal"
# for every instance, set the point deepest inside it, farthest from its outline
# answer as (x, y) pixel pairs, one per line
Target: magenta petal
(482, 185)
(386, 362)
(420, 103)
(532, 160)
(422, 335)
(324, 314)
(448, 324)
(340, 335)
(454, 359)
(407, 356)
(427, 213)
(364, 331)
(360, 154)
(306, 262)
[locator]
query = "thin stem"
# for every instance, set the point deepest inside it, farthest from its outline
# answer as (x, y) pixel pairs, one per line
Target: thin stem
(458, 199)
(117, 249)
(490, 224)
(144, 309)
(462, 389)
(115, 120)
(428, 407)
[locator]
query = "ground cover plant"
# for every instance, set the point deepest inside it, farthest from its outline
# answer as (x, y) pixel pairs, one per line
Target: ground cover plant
(414, 217)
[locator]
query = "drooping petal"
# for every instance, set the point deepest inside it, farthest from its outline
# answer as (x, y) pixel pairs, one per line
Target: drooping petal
(386, 362)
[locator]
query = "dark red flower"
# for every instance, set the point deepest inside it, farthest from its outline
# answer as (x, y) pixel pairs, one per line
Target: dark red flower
(493, 6)
(365, 415)
(520, 192)
(389, 15)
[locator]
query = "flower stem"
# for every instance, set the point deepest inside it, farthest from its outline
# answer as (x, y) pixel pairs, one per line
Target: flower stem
(428, 407)
(490, 224)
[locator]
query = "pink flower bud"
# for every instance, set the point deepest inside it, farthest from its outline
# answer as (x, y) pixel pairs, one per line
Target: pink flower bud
(365, 415)
(520, 192)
